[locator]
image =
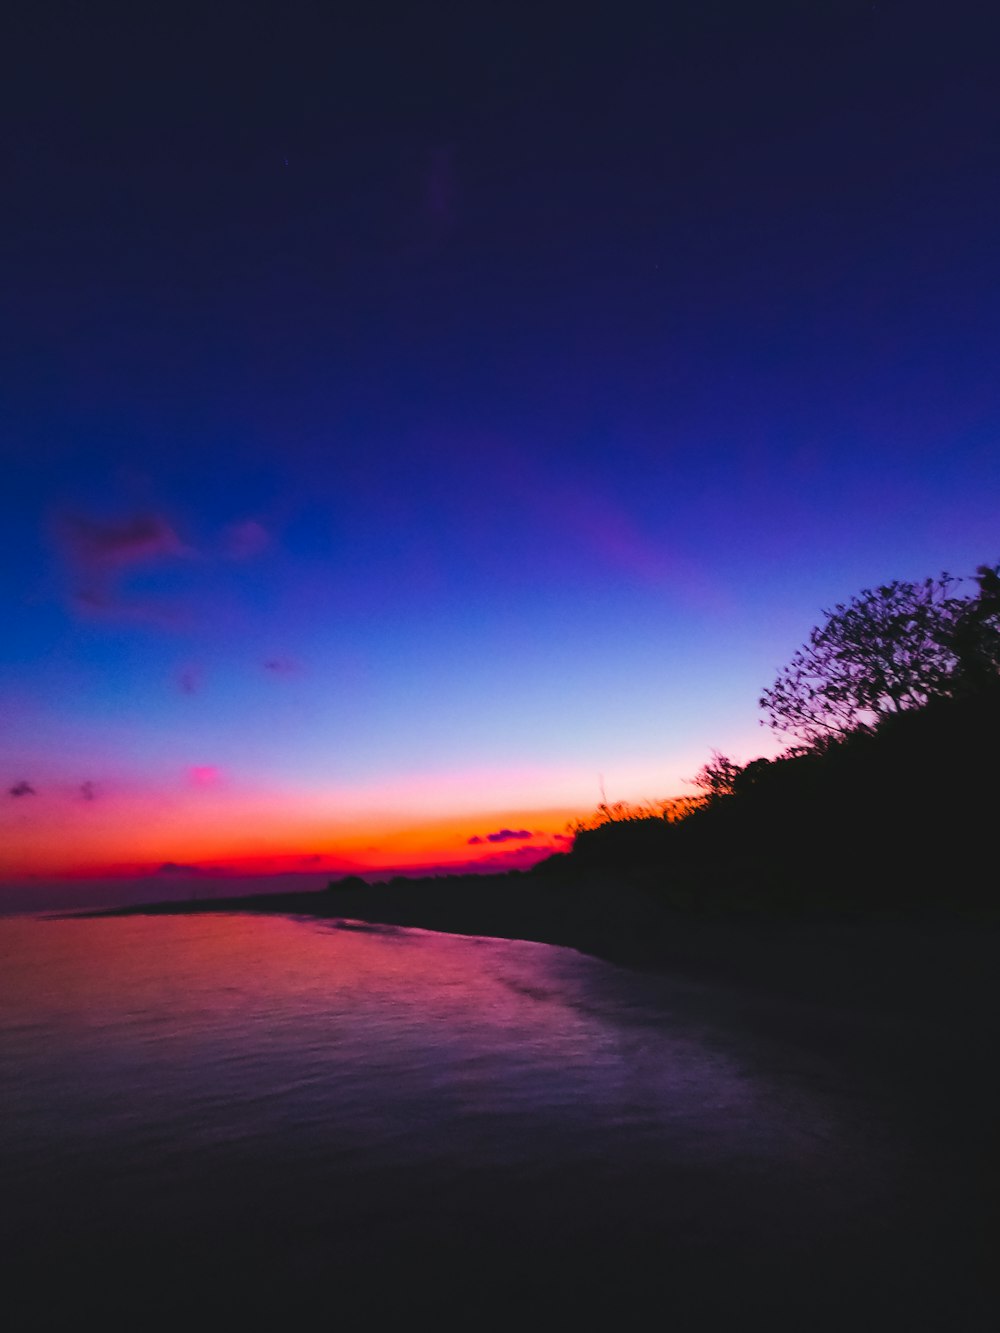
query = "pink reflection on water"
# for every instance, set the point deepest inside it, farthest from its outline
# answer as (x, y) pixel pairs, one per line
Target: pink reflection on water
(281, 1110)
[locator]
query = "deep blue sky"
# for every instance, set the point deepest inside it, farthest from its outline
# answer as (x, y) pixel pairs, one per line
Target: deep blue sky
(431, 391)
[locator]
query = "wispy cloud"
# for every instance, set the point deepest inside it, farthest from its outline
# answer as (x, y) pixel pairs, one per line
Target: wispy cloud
(88, 792)
(204, 775)
(21, 789)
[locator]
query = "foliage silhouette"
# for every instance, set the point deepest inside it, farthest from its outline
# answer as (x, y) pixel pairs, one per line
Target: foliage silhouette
(718, 777)
(886, 650)
(976, 638)
(890, 803)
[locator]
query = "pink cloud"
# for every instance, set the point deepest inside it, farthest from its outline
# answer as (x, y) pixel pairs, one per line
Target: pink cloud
(242, 541)
(589, 519)
(204, 775)
(613, 534)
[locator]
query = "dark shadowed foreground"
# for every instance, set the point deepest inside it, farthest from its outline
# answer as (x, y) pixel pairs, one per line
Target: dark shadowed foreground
(868, 1202)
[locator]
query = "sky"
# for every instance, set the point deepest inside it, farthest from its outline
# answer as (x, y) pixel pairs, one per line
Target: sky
(419, 421)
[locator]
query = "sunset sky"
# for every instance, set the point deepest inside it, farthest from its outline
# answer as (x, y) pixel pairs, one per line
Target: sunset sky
(415, 418)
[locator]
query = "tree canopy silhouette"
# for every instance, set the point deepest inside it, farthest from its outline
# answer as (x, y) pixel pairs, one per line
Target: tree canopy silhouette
(888, 649)
(890, 802)
(718, 777)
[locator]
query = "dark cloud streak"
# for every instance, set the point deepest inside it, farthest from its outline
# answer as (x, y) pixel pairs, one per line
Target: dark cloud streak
(100, 553)
(189, 681)
(280, 666)
(503, 835)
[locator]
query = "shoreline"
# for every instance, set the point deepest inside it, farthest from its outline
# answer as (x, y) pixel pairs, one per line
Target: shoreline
(809, 1003)
(941, 968)
(902, 1012)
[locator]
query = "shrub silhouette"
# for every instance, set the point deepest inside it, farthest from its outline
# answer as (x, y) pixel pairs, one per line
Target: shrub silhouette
(719, 777)
(347, 883)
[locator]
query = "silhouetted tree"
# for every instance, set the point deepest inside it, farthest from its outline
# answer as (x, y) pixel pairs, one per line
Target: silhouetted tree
(717, 777)
(976, 637)
(889, 649)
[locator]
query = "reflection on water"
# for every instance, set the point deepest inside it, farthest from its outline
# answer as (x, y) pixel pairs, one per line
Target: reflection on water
(237, 1112)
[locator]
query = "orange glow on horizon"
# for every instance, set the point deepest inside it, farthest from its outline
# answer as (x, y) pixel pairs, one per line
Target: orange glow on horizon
(213, 820)
(226, 838)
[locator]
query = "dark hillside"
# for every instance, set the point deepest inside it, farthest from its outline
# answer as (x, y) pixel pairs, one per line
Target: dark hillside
(904, 814)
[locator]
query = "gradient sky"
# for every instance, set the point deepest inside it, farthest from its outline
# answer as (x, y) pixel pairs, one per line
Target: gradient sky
(412, 418)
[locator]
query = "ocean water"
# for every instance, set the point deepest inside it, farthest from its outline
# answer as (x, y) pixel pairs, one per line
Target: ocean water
(268, 1121)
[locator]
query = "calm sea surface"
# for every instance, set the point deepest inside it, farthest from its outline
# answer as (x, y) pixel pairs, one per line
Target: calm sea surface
(263, 1119)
